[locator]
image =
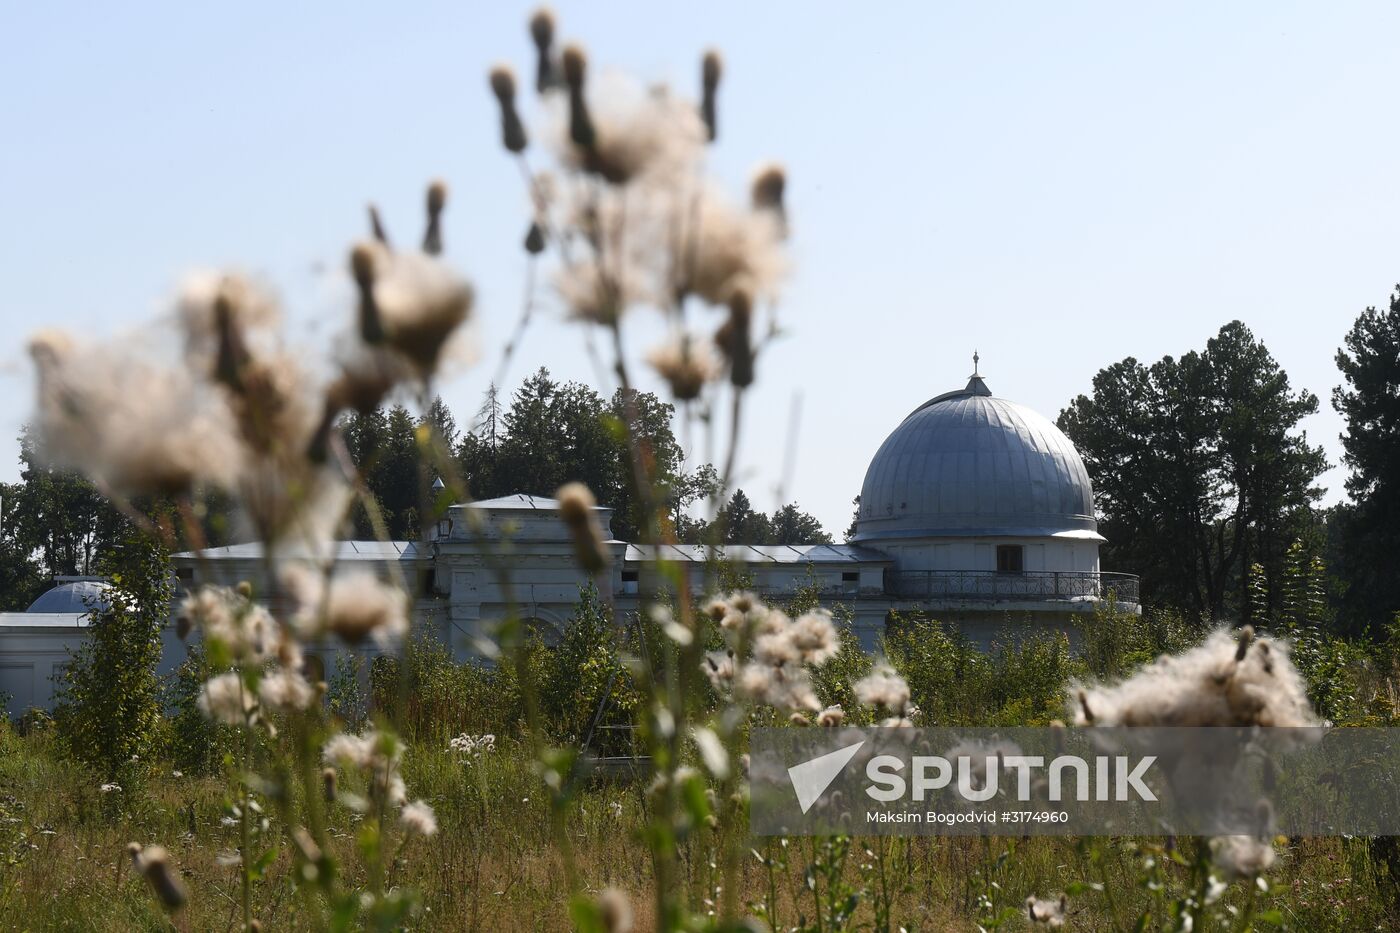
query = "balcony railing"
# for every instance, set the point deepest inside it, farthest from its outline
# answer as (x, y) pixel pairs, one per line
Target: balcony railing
(994, 586)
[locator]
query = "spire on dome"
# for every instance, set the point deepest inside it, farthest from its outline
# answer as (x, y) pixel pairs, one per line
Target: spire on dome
(975, 385)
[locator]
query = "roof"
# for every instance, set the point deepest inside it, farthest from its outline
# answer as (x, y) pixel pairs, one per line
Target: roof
(520, 502)
(968, 463)
(71, 620)
(76, 596)
(757, 553)
(346, 551)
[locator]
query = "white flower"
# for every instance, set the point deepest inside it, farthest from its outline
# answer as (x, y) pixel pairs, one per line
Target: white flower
(110, 788)
(712, 752)
(247, 630)
(814, 636)
(1241, 856)
(1224, 681)
(472, 746)
(419, 818)
(354, 606)
(285, 690)
(225, 699)
(1047, 912)
(719, 667)
(883, 689)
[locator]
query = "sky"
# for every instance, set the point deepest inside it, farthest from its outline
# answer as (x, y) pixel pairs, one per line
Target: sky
(1056, 186)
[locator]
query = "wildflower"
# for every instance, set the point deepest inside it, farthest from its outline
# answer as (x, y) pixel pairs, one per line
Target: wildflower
(349, 750)
(1222, 682)
(711, 67)
(831, 716)
(354, 606)
(686, 364)
(512, 130)
(226, 616)
(419, 818)
(472, 746)
(615, 808)
(615, 910)
(409, 301)
(219, 313)
(285, 690)
(577, 509)
(734, 251)
(534, 239)
(633, 134)
(328, 782)
(595, 296)
(735, 341)
(130, 424)
(767, 191)
(712, 752)
(883, 688)
(777, 648)
(153, 862)
(814, 637)
(542, 33)
(376, 753)
(1242, 856)
(225, 699)
(719, 667)
(110, 788)
(1050, 913)
(780, 687)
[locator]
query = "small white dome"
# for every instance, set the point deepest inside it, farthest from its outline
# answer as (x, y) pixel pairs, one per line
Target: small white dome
(74, 598)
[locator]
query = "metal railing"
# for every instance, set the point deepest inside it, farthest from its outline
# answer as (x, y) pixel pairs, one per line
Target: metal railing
(995, 586)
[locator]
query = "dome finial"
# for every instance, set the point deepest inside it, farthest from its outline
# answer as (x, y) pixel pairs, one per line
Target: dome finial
(975, 360)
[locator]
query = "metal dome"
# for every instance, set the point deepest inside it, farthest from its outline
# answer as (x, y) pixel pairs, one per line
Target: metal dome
(967, 463)
(74, 598)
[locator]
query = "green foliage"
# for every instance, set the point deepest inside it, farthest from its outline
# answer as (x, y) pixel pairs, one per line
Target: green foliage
(1020, 681)
(737, 523)
(585, 676)
(430, 697)
(1201, 469)
(197, 743)
(553, 433)
(1369, 401)
(346, 696)
(109, 707)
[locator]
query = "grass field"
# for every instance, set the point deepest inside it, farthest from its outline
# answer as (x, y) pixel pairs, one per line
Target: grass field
(494, 865)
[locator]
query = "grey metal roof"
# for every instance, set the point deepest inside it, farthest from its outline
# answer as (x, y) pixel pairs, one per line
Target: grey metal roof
(77, 596)
(522, 502)
(346, 551)
(758, 553)
(44, 620)
(968, 463)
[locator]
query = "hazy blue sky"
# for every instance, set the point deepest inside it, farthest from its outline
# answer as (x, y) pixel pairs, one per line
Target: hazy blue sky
(1056, 185)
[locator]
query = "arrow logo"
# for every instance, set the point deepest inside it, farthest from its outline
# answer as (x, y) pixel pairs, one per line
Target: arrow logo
(811, 778)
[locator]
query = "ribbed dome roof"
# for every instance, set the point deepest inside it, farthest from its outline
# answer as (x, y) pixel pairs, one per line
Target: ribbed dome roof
(967, 463)
(77, 597)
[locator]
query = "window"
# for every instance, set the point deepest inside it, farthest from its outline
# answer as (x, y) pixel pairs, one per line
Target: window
(630, 581)
(1010, 558)
(850, 576)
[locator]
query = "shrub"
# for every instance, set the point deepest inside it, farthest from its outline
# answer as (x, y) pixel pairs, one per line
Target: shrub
(109, 707)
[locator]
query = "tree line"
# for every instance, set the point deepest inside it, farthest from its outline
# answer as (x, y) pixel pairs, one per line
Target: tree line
(1207, 485)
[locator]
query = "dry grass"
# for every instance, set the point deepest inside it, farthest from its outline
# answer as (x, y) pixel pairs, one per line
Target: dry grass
(493, 865)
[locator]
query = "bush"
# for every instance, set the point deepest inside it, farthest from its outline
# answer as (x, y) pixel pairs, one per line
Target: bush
(109, 708)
